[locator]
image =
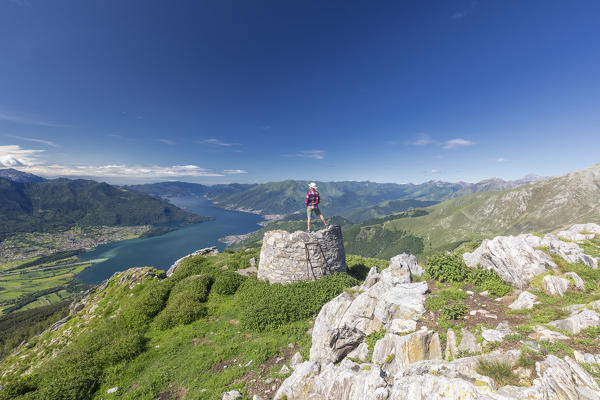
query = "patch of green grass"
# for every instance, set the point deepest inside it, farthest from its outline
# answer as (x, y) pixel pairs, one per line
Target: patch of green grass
(501, 372)
(359, 267)
(557, 348)
(525, 358)
(453, 311)
(373, 337)
(390, 357)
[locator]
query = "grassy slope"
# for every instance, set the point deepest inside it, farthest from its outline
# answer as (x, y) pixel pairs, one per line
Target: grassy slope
(543, 206)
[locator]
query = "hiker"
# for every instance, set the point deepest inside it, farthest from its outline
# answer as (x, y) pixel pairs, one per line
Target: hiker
(312, 204)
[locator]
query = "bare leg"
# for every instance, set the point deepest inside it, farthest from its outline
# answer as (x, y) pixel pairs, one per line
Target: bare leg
(308, 224)
(323, 219)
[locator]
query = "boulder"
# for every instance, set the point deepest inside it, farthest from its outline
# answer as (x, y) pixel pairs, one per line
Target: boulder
(577, 281)
(247, 271)
(496, 335)
(525, 300)
(408, 262)
(296, 360)
(208, 251)
(565, 379)
(468, 344)
(512, 257)
(575, 323)
(283, 256)
(231, 395)
(394, 353)
(555, 286)
(541, 333)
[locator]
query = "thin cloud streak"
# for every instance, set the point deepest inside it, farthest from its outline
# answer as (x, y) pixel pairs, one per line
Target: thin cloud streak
(500, 160)
(25, 119)
(423, 139)
(167, 141)
(315, 154)
(234, 171)
(456, 143)
(46, 142)
(216, 142)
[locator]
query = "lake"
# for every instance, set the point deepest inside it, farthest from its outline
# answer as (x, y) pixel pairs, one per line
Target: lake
(162, 251)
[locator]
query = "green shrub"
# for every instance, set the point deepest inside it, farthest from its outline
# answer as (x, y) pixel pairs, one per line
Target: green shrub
(452, 294)
(487, 279)
(146, 304)
(434, 303)
(451, 268)
(501, 372)
(453, 311)
(181, 310)
(227, 283)
(270, 306)
(75, 376)
(194, 286)
(191, 266)
(447, 268)
(18, 387)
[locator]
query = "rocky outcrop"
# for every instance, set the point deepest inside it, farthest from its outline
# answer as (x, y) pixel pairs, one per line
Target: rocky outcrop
(208, 251)
(577, 281)
(580, 232)
(383, 301)
(519, 259)
(283, 256)
(512, 257)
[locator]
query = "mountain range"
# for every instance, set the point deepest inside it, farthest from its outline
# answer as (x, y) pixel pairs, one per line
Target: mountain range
(338, 198)
(30, 205)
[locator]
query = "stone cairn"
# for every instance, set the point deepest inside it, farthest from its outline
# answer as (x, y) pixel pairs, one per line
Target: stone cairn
(301, 256)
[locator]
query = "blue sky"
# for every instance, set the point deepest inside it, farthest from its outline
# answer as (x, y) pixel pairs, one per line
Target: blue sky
(254, 91)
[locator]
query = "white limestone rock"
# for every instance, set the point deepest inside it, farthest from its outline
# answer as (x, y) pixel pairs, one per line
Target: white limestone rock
(451, 348)
(541, 333)
(360, 353)
(402, 326)
(565, 379)
(469, 344)
(580, 232)
(525, 300)
(408, 262)
(575, 323)
(421, 345)
(342, 323)
(555, 285)
(512, 257)
(295, 360)
(569, 251)
(579, 283)
(231, 395)
(496, 335)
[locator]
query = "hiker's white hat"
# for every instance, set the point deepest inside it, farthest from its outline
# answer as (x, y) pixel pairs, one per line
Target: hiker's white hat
(312, 185)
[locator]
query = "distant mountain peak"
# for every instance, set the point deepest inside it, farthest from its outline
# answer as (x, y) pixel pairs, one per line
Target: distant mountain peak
(18, 176)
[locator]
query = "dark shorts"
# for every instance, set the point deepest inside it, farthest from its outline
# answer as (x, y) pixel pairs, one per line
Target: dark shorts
(309, 211)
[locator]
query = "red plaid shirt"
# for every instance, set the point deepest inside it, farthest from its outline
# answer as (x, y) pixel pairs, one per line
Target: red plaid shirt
(312, 199)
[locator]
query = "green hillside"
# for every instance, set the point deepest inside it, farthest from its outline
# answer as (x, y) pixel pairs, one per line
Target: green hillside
(58, 205)
(538, 207)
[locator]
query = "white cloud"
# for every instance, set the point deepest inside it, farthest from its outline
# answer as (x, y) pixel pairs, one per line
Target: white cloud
(435, 171)
(46, 142)
(216, 142)
(234, 171)
(500, 160)
(422, 139)
(123, 171)
(316, 154)
(456, 143)
(167, 141)
(15, 156)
